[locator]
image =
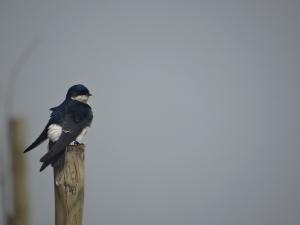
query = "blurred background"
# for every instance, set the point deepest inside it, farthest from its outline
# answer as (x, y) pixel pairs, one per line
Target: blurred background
(196, 107)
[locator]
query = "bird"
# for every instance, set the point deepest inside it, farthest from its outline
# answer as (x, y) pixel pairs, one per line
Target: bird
(67, 125)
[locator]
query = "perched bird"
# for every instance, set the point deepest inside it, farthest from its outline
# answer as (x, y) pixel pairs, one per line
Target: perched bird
(68, 123)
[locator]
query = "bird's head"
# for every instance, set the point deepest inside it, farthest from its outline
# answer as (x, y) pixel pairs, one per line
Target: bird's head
(79, 93)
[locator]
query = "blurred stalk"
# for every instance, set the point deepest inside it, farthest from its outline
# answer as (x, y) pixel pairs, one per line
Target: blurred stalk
(17, 134)
(15, 130)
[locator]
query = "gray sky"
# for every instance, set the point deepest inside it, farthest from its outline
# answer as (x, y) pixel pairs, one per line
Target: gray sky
(196, 106)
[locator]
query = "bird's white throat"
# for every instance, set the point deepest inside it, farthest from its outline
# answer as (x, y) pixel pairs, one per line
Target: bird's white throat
(81, 98)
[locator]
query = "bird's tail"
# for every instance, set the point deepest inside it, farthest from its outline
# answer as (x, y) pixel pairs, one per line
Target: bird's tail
(53, 160)
(38, 141)
(44, 165)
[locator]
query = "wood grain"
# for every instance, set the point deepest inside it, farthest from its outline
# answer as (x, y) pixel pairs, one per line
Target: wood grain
(69, 187)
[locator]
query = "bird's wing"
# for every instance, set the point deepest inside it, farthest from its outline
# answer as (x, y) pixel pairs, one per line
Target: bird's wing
(55, 118)
(39, 140)
(71, 129)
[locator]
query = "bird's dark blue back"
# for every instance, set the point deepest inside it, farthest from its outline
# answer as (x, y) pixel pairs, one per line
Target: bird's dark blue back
(76, 109)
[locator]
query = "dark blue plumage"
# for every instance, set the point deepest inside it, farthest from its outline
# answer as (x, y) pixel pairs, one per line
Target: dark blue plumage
(66, 124)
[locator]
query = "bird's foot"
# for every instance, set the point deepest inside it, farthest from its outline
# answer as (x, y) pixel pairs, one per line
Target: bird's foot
(76, 143)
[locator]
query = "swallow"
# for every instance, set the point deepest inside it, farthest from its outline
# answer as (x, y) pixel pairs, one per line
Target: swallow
(67, 125)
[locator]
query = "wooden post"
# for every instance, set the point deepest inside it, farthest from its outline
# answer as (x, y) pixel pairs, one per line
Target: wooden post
(17, 131)
(69, 187)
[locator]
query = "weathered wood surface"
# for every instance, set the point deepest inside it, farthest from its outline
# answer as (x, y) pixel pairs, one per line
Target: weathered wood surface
(17, 134)
(69, 187)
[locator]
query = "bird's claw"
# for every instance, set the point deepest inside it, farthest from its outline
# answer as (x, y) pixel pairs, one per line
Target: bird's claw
(76, 143)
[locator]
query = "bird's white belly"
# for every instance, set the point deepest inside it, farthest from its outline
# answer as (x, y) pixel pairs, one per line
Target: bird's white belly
(81, 135)
(54, 132)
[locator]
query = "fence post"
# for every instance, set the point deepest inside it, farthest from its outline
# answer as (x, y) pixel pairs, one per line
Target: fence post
(69, 187)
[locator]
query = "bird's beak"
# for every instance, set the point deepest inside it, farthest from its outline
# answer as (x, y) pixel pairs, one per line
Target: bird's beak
(90, 94)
